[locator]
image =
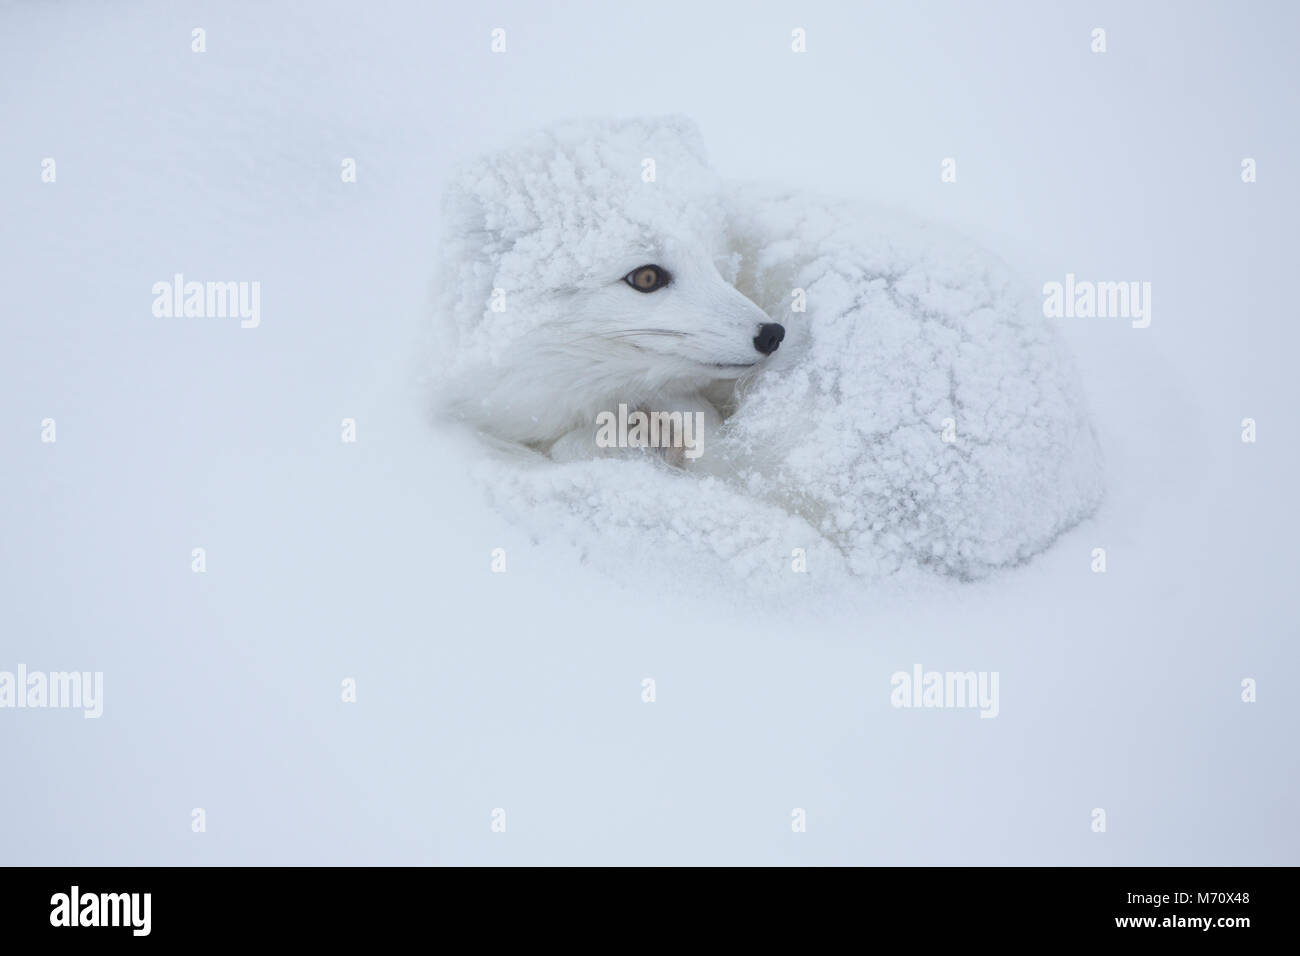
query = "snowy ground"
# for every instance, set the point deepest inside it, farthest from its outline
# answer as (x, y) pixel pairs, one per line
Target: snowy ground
(522, 690)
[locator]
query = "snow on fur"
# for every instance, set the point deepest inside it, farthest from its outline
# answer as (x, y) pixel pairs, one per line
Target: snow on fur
(543, 217)
(837, 445)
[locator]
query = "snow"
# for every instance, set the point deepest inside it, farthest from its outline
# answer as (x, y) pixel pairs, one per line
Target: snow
(923, 413)
(372, 560)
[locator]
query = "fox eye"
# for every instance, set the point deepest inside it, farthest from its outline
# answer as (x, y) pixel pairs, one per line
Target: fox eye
(647, 278)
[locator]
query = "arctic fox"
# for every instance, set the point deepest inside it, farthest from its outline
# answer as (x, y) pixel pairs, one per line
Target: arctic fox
(888, 383)
(578, 287)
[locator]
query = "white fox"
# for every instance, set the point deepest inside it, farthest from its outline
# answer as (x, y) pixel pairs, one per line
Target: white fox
(878, 380)
(578, 292)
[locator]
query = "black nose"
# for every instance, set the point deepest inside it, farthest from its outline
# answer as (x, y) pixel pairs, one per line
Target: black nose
(769, 337)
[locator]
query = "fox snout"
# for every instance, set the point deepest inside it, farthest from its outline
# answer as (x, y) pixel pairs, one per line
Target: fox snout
(769, 337)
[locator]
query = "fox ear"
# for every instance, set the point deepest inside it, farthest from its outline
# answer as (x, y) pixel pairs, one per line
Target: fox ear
(470, 251)
(466, 218)
(681, 131)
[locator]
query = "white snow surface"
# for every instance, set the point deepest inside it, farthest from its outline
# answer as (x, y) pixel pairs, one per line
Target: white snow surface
(522, 690)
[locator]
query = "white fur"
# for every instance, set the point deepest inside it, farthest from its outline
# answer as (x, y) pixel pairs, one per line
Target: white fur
(555, 225)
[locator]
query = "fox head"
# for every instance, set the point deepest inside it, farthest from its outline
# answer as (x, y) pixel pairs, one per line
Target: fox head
(582, 270)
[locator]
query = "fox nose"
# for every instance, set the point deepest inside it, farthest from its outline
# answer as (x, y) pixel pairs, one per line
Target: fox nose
(769, 337)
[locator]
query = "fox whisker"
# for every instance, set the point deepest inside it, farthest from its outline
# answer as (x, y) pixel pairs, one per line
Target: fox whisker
(668, 332)
(628, 333)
